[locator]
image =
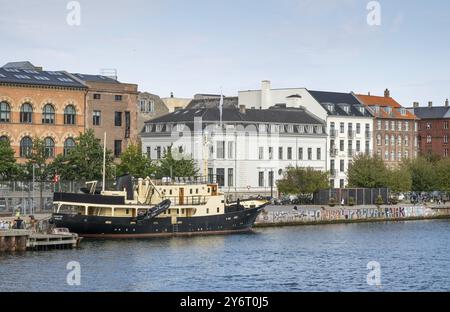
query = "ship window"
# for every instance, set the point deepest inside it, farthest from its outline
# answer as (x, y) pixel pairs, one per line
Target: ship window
(209, 190)
(196, 191)
(207, 210)
(218, 209)
(170, 192)
(182, 211)
(190, 191)
(178, 211)
(128, 211)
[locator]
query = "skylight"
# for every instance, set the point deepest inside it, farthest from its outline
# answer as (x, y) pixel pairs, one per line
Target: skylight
(41, 78)
(29, 71)
(3, 76)
(12, 70)
(54, 73)
(22, 77)
(65, 79)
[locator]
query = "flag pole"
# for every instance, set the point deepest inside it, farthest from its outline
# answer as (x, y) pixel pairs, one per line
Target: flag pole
(104, 163)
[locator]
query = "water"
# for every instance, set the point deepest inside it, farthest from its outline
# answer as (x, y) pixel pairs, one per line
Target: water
(414, 256)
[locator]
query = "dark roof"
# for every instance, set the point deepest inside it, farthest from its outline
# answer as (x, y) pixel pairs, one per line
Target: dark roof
(38, 77)
(432, 112)
(272, 115)
(228, 102)
(20, 65)
(95, 78)
(339, 100)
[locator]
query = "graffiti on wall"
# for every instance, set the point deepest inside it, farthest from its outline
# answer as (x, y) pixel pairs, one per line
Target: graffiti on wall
(317, 215)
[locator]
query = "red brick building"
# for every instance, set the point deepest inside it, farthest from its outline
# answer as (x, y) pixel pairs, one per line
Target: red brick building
(434, 130)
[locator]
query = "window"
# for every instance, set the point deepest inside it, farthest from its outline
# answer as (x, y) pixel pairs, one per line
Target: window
(399, 140)
(379, 139)
(406, 125)
(271, 178)
(5, 112)
(358, 128)
(96, 118)
(428, 125)
(367, 147)
(158, 152)
(97, 96)
(118, 119)
(26, 113)
(149, 152)
(210, 176)
(406, 140)
(69, 145)
(280, 153)
(386, 155)
(358, 146)
(230, 151)
(403, 111)
(446, 139)
(392, 155)
(49, 148)
(261, 179)
(26, 146)
(69, 115)
(429, 139)
(230, 177)
(289, 153)
(446, 152)
(319, 154)
(332, 165)
(393, 140)
(342, 165)
(118, 98)
(392, 125)
(4, 138)
(310, 154)
(261, 153)
(220, 149)
(342, 127)
(379, 125)
(341, 145)
(350, 148)
(270, 153)
(117, 148)
(300, 153)
(341, 183)
(399, 126)
(220, 176)
(446, 125)
(48, 114)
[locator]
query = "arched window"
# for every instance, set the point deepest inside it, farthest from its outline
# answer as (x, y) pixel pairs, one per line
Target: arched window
(48, 114)
(69, 145)
(26, 113)
(4, 138)
(69, 115)
(26, 145)
(5, 112)
(49, 147)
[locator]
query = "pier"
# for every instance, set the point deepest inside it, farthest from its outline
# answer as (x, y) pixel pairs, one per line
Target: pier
(23, 240)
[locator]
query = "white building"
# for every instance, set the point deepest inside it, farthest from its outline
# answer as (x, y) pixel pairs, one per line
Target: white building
(252, 148)
(349, 123)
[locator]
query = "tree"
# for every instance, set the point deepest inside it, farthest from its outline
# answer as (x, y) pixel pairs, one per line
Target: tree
(133, 162)
(302, 181)
(367, 172)
(423, 174)
(8, 167)
(177, 165)
(85, 161)
(443, 175)
(399, 180)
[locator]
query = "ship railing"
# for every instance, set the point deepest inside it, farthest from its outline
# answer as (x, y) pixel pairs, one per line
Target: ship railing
(187, 200)
(182, 181)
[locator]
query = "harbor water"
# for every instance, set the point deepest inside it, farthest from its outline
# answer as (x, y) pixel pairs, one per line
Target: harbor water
(413, 256)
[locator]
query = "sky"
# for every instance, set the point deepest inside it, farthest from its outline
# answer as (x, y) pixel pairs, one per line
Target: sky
(204, 46)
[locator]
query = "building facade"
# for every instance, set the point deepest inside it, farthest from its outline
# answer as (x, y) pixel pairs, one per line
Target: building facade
(349, 124)
(111, 107)
(433, 129)
(249, 152)
(34, 103)
(150, 106)
(395, 129)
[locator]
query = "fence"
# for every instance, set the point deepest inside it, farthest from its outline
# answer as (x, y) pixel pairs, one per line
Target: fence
(361, 196)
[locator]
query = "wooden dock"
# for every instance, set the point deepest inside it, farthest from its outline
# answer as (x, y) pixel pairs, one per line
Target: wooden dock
(23, 240)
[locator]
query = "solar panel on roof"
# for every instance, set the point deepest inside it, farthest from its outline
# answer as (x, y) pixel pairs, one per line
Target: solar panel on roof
(65, 79)
(22, 77)
(41, 78)
(29, 71)
(3, 76)
(12, 70)
(54, 73)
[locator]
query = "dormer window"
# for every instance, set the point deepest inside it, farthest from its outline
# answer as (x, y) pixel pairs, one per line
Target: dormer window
(388, 110)
(330, 107)
(346, 109)
(403, 111)
(262, 128)
(376, 109)
(362, 110)
(290, 128)
(301, 129)
(159, 127)
(169, 128)
(180, 128)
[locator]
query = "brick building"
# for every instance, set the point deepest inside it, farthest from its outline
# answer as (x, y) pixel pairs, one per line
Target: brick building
(46, 104)
(395, 128)
(111, 107)
(150, 106)
(433, 129)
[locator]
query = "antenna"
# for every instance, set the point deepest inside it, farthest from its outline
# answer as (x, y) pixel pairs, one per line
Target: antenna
(109, 72)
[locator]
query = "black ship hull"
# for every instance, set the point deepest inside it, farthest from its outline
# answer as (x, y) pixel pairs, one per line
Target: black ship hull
(107, 227)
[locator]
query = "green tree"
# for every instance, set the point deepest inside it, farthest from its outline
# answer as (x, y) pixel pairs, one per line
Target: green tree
(423, 174)
(367, 172)
(302, 181)
(8, 167)
(443, 175)
(175, 165)
(133, 162)
(399, 180)
(85, 161)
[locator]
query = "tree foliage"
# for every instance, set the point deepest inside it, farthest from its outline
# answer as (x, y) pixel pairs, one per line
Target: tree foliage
(133, 162)
(423, 174)
(301, 181)
(175, 165)
(367, 172)
(8, 167)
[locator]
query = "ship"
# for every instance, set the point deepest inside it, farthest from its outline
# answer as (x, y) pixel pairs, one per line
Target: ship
(186, 206)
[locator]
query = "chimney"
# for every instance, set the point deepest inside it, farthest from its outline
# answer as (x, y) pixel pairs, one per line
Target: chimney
(368, 93)
(265, 94)
(242, 109)
(171, 94)
(446, 103)
(430, 104)
(387, 93)
(416, 104)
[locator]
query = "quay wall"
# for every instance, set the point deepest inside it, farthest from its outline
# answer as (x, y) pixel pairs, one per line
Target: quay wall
(327, 215)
